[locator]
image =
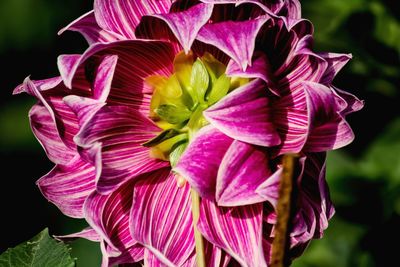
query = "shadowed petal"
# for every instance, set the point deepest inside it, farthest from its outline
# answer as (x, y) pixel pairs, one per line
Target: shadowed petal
(243, 169)
(347, 102)
(335, 63)
(236, 39)
(121, 131)
(67, 186)
(183, 24)
(88, 27)
(329, 130)
(161, 217)
(269, 189)
(236, 230)
(245, 115)
(200, 162)
(122, 16)
(88, 233)
(109, 216)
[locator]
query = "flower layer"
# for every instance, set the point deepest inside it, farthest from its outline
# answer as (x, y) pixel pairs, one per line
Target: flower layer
(190, 95)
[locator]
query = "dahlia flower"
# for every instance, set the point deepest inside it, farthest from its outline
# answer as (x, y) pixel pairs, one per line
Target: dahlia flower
(180, 96)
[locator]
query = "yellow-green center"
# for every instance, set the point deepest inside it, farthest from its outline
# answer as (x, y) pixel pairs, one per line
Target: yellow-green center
(178, 102)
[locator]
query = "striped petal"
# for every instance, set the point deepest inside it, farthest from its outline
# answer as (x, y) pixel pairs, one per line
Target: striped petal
(347, 103)
(200, 162)
(236, 230)
(122, 16)
(328, 130)
(132, 256)
(245, 115)
(88, 233)
(121, 131)
(68, 186)
(236, 39)
(335, 63)
(137, 60)
(183, 26)
(259, 69)
(243, 169)
(161, 217)
(109, 216)
(88, 27)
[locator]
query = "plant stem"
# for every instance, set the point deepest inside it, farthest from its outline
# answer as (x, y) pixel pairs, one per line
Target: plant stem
(200, 257)
(279, 245)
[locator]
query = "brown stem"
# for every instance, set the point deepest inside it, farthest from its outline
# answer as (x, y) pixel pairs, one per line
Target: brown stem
(279, 245)
(200, 257)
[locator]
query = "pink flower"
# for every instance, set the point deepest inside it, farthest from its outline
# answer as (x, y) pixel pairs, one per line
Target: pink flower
(205, 95)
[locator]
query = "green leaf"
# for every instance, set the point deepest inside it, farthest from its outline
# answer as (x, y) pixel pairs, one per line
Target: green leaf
(177, 151)
(219, 90)
(199, 80)
(173, 114)
(40, 251)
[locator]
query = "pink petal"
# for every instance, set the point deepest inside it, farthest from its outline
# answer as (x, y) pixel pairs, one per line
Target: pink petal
(243, 169)
(161, 217)
(109, 216)
(122, 16)
(88, 233)
(347, 102)
(182, 24)
(121, 131)
(130, 256)
(200, 162)
(236, 230)
(269, 189)
(335, 63)
(68, 186)
(88, 27)
(245, 115)
(329, 130)
(236, 39)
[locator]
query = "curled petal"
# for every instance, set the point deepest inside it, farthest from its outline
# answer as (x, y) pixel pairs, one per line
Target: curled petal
(347, 102)
(245, 115)
(200, 162)
(161, 217)
(236, 39)
(243, 169)
(88, 233)
(88, 27)
(68, 186)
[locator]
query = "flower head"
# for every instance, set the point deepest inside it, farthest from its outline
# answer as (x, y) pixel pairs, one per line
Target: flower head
(181, 95)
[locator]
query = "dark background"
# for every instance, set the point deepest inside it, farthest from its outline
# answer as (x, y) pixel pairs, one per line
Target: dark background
(364, 177)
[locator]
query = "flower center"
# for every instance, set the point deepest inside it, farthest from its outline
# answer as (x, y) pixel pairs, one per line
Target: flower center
(178, 102)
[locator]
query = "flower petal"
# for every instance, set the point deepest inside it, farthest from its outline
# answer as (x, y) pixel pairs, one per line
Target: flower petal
(88, 233)
(335, 63)
(88, 27)
(109, 216)
(269, 189)
(236, 230)
(347, 102)
(200, 162)
(182, 24)
(329, 130)
(161, 217)
(245, 115)
(236, 39)
(67, 186)
(122, 16)
(121, 131)
(242, 170)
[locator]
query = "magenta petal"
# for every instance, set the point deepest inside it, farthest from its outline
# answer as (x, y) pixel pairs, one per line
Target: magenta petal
(269, 189)
(104, 78)
(122, 16)
(245, 115)
(236, 39)
(182, 24)
(200, 162)
(88, 233)
(335, 63)
(130, 256)
(243, 169)
(88, 27)
(329, 130)
(347, 102)
(121, 132)
(68, 186)
(236, 230)
(109, 216)
(161, 217)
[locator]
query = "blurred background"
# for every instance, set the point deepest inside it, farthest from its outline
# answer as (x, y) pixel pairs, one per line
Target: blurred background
(364, 178)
